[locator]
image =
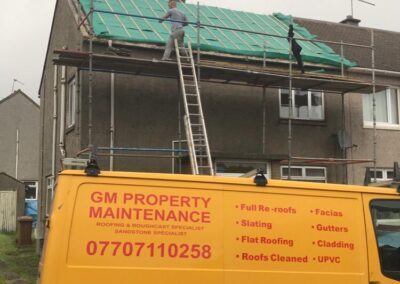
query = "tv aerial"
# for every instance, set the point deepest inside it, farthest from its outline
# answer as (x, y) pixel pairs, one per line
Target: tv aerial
(363, 1)
(15, 81)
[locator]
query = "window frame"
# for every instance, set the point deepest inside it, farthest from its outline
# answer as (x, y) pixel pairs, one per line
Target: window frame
(304, 176)
(384, 173)
(266, 163)
(71, 102)
(36, 188)
(385, 125)
(309, 105)
(49, 192)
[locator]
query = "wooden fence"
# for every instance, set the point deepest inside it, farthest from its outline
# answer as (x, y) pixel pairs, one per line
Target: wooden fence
(8, 211)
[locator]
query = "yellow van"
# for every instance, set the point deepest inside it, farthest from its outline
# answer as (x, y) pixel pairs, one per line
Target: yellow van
(181, 229)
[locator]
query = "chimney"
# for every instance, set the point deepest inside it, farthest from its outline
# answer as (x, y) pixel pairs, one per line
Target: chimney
(351, 21)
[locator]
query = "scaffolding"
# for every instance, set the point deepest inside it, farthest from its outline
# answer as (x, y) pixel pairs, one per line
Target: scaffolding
(210, 71)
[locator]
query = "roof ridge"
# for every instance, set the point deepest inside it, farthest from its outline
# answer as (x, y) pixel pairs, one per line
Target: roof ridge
(346, 25)
(16, 93)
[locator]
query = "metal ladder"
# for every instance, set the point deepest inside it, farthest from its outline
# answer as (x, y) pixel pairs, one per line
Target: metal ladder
(199, 148)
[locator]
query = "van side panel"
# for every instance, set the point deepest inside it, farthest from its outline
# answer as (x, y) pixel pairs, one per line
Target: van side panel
(109, 230)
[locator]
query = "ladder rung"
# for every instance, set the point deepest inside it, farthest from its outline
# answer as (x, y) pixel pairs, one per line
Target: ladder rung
(195, 114)
(193, 104)
(198, 134)
(197, 124)
(203, 167)
(188, 76)
(190, 85)
(191, 95)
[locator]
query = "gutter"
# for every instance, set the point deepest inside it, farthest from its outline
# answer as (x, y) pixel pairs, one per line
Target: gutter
(252, 59)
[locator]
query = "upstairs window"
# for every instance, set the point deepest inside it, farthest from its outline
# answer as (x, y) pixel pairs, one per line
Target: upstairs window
(307, 105)
(387, 109)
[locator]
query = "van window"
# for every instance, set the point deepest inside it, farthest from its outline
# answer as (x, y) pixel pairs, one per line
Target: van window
(386, 218)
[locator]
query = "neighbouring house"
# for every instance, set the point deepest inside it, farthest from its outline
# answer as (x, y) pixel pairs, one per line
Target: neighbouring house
(19, 136)
(19, 147)
(12, 202)
(133, 100)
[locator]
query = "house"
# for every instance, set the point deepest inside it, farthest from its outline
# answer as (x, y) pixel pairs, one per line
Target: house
(19, 136)
(132, 100)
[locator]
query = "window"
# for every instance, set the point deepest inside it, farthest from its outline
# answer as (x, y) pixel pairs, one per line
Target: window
(387, 109)
(50, 192)
(308, 105)
(238, 168)
(71, 103)
(381, 174)
(313, 174)
(386, 220)
(31, 190)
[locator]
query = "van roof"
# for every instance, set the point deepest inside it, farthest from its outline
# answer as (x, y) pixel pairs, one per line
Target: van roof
(239, 181)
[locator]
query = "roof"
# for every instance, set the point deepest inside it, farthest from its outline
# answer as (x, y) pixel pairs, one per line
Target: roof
(387, 43)
(125, 26)
(21, 93)
(7, 176)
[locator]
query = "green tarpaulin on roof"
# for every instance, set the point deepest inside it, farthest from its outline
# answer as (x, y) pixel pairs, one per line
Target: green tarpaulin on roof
(134, 29)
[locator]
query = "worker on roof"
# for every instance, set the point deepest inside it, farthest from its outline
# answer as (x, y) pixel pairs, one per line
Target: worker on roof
(179, 21)
(296, 49)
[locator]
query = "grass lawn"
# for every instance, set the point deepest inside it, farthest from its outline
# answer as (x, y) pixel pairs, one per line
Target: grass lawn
(21, 261)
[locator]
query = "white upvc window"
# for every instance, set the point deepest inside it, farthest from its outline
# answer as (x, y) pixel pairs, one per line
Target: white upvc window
(236, 168)
(387, 109)
(71, 103)
(31, 190)
(306, 105)
(304, 173)
(381, 174)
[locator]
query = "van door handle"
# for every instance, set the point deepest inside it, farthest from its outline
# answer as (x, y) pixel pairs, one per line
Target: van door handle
(374, 282)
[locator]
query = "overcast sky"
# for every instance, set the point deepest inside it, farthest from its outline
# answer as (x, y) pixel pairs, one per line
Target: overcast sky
(25, 27)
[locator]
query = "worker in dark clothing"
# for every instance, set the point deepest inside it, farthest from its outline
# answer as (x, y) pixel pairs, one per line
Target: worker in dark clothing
(296, 49)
